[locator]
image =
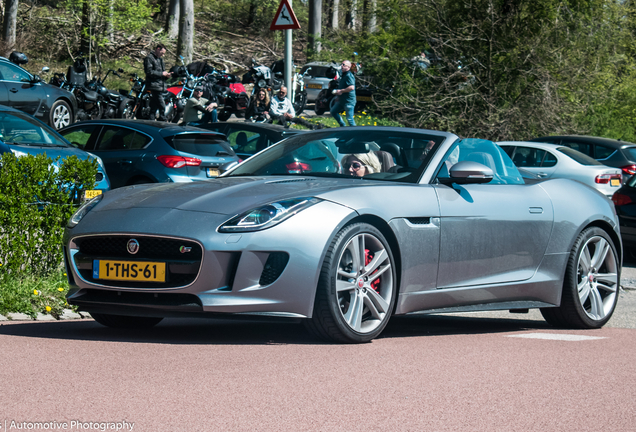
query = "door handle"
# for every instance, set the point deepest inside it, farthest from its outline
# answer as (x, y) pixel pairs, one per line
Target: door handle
(542, 174)
(122, 162)
(13, 90)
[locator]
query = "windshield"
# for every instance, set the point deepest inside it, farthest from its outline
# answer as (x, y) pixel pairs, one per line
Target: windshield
(18, 128)
(362, 153)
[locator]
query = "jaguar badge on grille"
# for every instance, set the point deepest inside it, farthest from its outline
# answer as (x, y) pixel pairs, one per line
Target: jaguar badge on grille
(132, 246)
(184, 249)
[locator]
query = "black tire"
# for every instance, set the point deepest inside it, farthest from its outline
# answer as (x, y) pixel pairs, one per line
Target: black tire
(362, 305)
(224, 115)
(125, 322)
(300, 102)
(319, 111)
(60, 115)
(127, 109)
(591, 283)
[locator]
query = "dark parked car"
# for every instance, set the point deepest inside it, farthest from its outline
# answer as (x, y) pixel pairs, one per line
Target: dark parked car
(22, 134)
(147, 151)
(611, 152)
(249, 138)
(26, 92)
(625, 204)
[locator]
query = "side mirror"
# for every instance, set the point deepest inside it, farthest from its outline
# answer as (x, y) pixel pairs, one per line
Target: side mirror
(468, 172)
(36, 79)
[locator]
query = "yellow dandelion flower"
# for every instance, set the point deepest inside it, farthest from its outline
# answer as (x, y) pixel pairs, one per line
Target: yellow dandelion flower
(35, 292)
(375, 123)
(364, 113)
(60, 289)
(48, 308)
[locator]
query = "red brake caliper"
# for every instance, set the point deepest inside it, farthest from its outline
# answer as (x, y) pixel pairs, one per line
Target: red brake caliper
(368, 257)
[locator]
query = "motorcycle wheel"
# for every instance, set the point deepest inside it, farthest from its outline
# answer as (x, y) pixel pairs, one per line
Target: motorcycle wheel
(299, 103)
(224, 115)
(127, 109)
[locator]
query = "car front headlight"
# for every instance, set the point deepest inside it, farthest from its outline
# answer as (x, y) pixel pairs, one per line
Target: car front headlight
(261, 83)
(267, 216)
(83, 210)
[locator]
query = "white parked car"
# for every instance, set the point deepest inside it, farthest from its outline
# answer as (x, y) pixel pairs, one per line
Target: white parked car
(557, 161)
(316, 79)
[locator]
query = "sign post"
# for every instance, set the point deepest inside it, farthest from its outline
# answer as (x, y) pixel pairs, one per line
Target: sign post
(285, 19)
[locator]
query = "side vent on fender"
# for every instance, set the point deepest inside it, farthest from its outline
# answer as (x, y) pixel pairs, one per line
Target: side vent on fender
(274, 266)
(419, 220)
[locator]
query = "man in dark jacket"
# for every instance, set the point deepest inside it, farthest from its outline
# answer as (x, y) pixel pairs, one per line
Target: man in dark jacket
(156, 77)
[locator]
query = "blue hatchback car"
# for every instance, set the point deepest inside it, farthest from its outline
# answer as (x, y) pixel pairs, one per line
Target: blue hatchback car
(23, 134)
(148, 151)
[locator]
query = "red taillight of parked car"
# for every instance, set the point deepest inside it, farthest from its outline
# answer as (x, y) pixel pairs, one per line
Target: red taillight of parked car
(620, 199)
(178, 161)
(629, 170)
(607, 179)
(298, 167)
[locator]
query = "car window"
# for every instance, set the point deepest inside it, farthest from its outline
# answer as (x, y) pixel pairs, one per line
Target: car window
(549, 160)
(582, 147)
(486, 153)
(316, 71)
(23, 129)
(116, 138)
(10, 72)
(201, 144)
(246, 141)
(602, 152)
(80, 135)
(630, 152)
(579, 157)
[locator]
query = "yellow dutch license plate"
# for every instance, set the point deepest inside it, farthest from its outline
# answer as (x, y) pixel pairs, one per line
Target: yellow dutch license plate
(314, 86)
(212, 172)
(90, 194)
(139, 271)
(615, 182)
(364, 98)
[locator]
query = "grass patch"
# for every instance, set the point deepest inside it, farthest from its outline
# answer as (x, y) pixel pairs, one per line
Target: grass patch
(30, 295)
(361, 119)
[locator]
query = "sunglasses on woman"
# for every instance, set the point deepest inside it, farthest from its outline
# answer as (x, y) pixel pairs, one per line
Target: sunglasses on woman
(355, 165)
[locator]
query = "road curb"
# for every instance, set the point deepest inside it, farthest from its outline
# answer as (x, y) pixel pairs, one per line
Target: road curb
(67, 314)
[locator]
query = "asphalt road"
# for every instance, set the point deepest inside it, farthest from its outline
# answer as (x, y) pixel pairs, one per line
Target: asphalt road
(475, 372)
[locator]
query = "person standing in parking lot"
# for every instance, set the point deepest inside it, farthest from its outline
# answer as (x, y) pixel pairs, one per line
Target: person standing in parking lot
(346, 95)
(156, 77)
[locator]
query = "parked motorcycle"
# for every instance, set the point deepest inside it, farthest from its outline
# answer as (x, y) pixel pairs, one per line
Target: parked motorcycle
(137, 104)
(113, 102)
(90, 102)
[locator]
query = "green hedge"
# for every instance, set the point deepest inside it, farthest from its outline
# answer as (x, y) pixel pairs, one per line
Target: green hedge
(37, 197)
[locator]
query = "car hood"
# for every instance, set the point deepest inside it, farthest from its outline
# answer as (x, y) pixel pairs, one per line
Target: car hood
(227, 196)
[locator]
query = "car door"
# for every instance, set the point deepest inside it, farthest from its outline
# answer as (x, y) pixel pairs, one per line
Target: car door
(22, 94)
(491, 233)
(122, 151)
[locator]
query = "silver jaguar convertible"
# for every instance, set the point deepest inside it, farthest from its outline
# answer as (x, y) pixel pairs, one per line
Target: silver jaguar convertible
(344, 228)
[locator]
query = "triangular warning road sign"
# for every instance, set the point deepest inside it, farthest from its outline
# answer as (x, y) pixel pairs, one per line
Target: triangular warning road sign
(285, 19)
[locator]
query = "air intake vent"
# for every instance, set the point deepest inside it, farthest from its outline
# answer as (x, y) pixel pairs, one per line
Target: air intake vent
(419, 220)
(274, 266)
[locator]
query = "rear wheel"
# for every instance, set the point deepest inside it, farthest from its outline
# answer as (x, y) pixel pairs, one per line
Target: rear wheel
(128, 322)
(127, 109)
(357, 287)
(224, 115)
(300, 102)
(60, 115)
(590, 287)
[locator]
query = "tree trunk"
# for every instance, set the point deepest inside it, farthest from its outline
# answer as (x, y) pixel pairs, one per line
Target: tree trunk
(172, 23)
(85, 42)
(186, 30)
(370, 7)
(334, 16)
(315, 27)
(10, 18)
(251, 15)
(353, 15)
